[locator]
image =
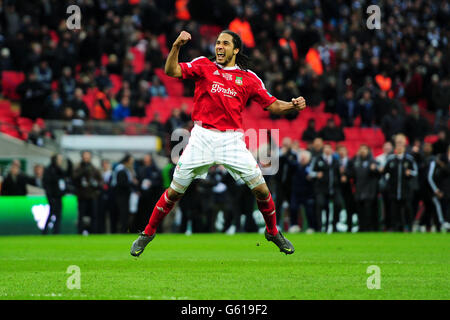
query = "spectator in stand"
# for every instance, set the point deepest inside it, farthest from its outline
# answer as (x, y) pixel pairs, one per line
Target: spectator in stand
(439, 99)
(366, 109)
(102, 107)
(416, 127)
(331, 132)
(175, 121)
(122, 110)
(102, 80)
(310, 132)
(363, 170)
(147, 73)
(113, 66)
(87, 180)
(78, 105)
(144, 92)
(67, 84)
(44, 74)
(157, 89)
(32, 96)
(155, 126)
(348, 109)
(302, 194)
(15, 183)
(440, 146)
(392, 124)
(140, 109)
(36, 136)
(53, 107)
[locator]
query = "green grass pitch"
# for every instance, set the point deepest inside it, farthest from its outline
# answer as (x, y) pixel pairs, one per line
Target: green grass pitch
(218, 266)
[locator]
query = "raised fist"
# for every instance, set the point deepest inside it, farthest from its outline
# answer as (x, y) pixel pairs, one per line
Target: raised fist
(182, 39)
(299, 103)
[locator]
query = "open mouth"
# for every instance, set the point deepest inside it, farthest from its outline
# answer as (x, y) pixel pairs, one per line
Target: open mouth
(220, 55)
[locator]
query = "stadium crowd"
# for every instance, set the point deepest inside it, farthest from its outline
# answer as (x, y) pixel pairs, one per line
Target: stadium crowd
(322, 50)
(403, 188)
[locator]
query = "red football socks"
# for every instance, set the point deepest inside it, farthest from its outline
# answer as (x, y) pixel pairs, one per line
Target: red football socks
(162, 208)
(267, 208)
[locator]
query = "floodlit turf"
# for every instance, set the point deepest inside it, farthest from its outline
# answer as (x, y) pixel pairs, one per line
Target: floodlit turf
(217, 266)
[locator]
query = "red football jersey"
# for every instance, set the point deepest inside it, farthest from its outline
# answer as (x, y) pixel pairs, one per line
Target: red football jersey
(221, 94)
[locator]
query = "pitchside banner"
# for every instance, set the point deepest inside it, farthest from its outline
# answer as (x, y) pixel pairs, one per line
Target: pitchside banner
(28, 214)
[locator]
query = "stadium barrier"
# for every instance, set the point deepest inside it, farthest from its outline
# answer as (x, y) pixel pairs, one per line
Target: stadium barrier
(20, 215)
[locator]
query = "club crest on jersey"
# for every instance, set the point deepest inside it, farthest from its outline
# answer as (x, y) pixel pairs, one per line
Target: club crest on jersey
(227, 76)
(238, 81)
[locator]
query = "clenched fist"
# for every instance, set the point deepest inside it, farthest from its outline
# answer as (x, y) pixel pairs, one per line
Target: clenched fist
(299, 103)
(182, 39)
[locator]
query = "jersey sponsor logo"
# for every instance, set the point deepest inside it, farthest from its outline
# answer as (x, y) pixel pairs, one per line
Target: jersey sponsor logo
(238, 81)
(216, 73)
(229, 92)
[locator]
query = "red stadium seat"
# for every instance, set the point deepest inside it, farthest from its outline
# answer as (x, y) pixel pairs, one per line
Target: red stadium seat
(174, 87)
(10, 81)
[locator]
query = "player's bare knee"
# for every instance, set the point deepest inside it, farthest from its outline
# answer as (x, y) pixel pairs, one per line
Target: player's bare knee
(173, 195)
(261, 192)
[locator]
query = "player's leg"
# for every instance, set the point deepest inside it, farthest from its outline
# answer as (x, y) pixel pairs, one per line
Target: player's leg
(267, 208)
(162, 208)
(242, 165)
(194, 162)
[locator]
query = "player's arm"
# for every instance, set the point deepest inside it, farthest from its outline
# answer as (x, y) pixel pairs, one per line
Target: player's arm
(172, 68)
(283, 107)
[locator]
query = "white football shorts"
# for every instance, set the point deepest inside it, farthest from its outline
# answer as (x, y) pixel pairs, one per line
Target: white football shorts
(210, 147)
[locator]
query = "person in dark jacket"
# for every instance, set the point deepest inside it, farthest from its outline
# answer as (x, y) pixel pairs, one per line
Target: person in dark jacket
(310, 132)
(123, 182)
(346, 185)
(302, 194)
(106, 198)
(15, 183)
(55, 185)
(32, 96)
(400, 170)
(331, 132)
(326, 176)
(363, 170)
(88, 182)
(348, 109)
(150, 188)
(439, 183)
(283, 178)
